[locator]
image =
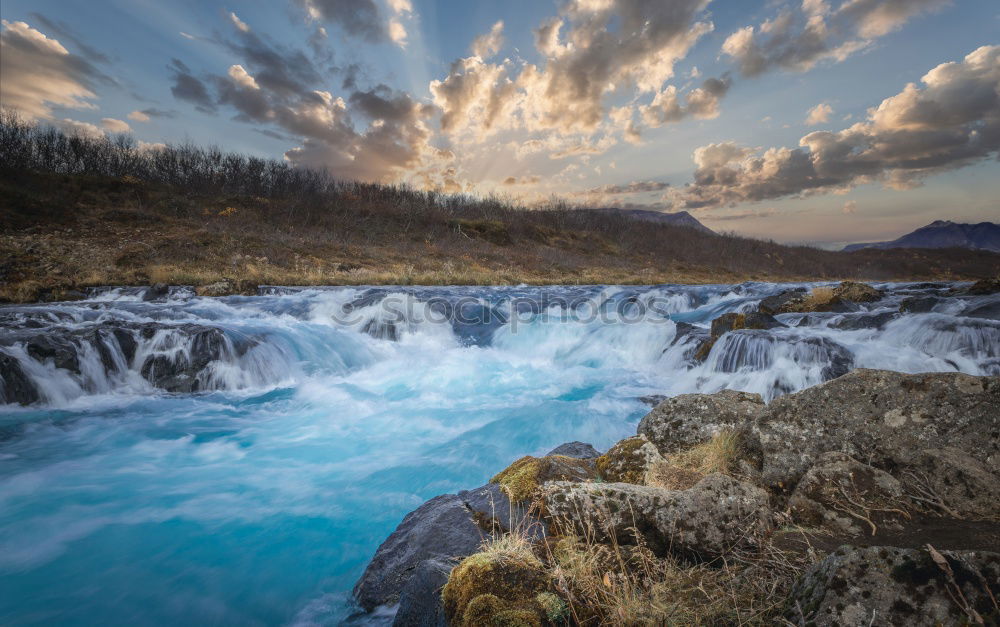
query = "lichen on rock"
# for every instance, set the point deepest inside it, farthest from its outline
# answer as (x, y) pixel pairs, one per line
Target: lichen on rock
(629, 461)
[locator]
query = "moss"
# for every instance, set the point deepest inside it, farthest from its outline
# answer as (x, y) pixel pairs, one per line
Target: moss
(555, 608)
(624, 462)
(521, 479)
(491, 589)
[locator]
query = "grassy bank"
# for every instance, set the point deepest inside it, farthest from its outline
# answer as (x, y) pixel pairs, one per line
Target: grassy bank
(78, 212)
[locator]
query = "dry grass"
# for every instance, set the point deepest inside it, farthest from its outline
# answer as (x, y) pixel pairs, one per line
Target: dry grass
(682, 470)
(818, 297)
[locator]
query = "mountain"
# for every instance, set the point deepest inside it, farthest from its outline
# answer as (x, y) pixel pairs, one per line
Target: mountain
(680, 218)
(944, 234)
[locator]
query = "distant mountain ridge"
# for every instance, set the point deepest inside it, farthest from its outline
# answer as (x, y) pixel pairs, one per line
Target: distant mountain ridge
(944, 234)
(680, 218)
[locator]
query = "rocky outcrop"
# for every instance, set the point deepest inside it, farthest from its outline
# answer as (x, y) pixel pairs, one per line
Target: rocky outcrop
(684, 421)
(15, 385)
(522, 479)
(628, 461)
(578, 450)
(420, 603)
(893, 586)
(848, 497)
(885, 418)
(782, 302)
(857, 292)
(707, 520)
(735, 321)
(840, 299)
(953, 482)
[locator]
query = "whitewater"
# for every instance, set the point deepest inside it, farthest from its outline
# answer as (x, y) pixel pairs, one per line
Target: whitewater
(253, 486)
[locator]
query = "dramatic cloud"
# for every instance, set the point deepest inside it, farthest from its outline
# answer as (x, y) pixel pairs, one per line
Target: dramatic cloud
(951, 120)
(188, 87)
(39, 73)
(116, 126)
(799, 39)
(702, 103)
(488, 44)
(819, 114)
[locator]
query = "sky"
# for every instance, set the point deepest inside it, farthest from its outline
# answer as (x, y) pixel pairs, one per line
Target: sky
(820, 121)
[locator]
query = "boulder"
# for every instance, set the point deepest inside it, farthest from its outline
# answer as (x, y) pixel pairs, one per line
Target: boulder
(705, 521)
(441, 529)
(15, 385)
(697, 341)
(628, 461)
(521, 479)
(845, 496)
(420, 603)
(894, 586)
(157, 291)
(856, 292)
(757, 350)
(920, 304)
(684, 421)
(840, 299)
(951, 481)
(779, 303)
(493, 511)
(982, 287)
(881, 417)
(734, 321)
(986, 311)
(579, 450)
(856, 322)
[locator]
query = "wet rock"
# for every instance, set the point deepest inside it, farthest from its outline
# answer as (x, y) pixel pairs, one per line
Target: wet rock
(440, 529)
(864, 321)
(778, 303)
(705, 521)
(684, 421)
(983, 286)
(881, 417)
(15, 385)
(579, 450)
(987, 311)
(179, 371)
(653, 399)
(893, 586)
(840, 299)
(696, 340)
(420, 603)
(856, 292)
(628, 461)
(157, 291)
(848, 497)
(920, 304)
(734, 321)
(493, 511)
(756, 350)
(381, 329)
(227, 287)
(57, 348)
(521, 479)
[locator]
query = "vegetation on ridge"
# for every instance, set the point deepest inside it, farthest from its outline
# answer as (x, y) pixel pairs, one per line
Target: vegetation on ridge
(77, 211)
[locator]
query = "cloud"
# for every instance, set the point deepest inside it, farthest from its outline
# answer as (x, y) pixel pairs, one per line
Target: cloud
(238, 23)
(819, 114)
(39, 73)
(397, 32)
(241, 78)
(951, 120)
(635, 187)
(799, 39)
(81, 129)
(850, 207)
(190, 88)
(754, 214)
(138, 116)
(116, 126)
(524, 180)
(701, 103)
(488, 44)
(357, 18)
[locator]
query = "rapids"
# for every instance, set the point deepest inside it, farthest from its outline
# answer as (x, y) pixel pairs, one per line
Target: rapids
(238, 460)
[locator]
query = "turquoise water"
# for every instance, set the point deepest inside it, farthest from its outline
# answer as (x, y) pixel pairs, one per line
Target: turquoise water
(261, 500)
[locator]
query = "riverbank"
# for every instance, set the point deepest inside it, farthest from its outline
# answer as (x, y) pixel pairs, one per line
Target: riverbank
(869, 499)
(64, 233)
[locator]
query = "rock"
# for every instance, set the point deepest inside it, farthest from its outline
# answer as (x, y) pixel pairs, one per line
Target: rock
(734, 321)
(228, 287)
(521, 479)
(705, 521)
(881, 417)
(55, 347)
(381, 330)
(983, 286)
(987, 311)
(963, 486)
(893, 586)
(653, 399)
(182, 371)
(157, 291)
(420, 603)
(864, 321)
(696, 340)
(628, 461)
(494, 512)
(920, 304)
(440, 529)
(579, 450)
(15, 385)
(493, 589)
(856, 292)
(757, 350)
(777, 303)
(839, 493)
(684, 421)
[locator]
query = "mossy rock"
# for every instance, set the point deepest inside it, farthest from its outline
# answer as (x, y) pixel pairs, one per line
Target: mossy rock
(488, 589)
(628, 461)
(856, 292)
(521, 479)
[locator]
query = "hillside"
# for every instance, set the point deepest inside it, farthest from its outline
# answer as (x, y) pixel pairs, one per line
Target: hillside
(680, 218)
(944, 234)
(77, 212)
